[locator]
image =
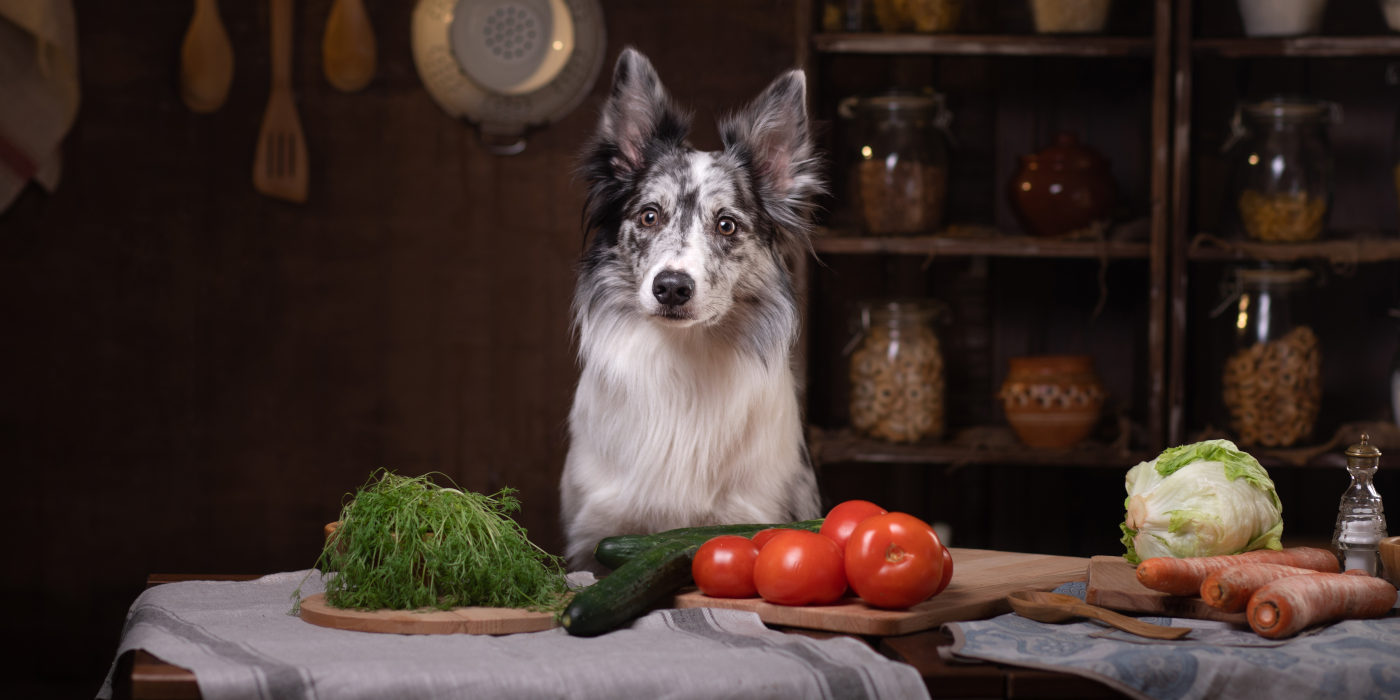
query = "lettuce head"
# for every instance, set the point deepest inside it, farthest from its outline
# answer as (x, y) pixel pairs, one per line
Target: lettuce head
(1200, 500)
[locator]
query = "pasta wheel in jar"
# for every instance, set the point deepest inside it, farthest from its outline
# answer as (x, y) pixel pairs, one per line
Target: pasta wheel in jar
(896, 372)
(1271, 383)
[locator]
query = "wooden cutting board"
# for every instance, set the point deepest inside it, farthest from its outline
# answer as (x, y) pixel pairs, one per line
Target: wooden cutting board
(429, 621)
(1113, 584)
(981, 580)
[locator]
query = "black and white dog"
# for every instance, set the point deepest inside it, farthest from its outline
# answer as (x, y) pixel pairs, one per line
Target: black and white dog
(686, 411)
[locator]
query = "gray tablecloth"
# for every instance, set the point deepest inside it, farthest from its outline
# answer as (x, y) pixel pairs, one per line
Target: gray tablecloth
(1351, 659)
(241, 642)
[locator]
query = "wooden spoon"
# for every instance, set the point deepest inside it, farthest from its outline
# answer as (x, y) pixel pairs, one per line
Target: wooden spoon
(206, 60)
(1058, 607)
(348, 48)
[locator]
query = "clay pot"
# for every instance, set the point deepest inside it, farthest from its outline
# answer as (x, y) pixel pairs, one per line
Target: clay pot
(1062, 189)
(1052, 401)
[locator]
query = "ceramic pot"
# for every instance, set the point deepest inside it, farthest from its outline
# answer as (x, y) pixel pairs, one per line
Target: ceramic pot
(1052, 401)
(1062, 189)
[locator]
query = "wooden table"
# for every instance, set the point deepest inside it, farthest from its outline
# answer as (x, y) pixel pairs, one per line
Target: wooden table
(142, 675)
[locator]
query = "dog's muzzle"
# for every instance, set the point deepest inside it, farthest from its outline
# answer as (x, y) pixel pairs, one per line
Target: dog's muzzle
(673, 288)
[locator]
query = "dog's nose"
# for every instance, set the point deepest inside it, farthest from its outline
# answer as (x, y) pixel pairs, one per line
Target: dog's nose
(673, 288)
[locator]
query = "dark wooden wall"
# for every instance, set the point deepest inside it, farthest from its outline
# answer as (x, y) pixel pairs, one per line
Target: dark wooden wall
(196, 375)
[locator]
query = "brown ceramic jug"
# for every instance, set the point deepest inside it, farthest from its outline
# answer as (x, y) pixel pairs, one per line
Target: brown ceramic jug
(1062, 189)
(1052, 401)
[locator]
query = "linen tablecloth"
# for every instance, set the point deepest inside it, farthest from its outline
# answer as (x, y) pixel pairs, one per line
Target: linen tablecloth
(1350, 659)
(241, 641)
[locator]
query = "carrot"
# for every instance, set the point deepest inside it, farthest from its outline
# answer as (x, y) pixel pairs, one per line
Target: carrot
(1184, 576)
(1282, 608)
(1229, 589)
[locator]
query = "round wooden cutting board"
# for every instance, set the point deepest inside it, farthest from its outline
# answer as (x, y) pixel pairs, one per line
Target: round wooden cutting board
(315, 610)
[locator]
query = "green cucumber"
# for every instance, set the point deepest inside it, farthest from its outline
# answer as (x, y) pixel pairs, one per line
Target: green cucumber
(630, 590)
(617, 550)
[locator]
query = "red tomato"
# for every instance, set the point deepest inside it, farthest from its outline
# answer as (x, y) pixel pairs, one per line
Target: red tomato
(762, 537)
(894, 560)
(723, 567)
(947, 571)
(800, 568)
(845, 517)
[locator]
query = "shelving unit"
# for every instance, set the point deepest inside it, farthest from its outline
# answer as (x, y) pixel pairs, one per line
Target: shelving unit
(1179, 66)
(1215, 67)
(982, 245)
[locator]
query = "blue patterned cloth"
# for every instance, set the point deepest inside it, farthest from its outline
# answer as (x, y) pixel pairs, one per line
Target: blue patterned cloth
(1350, 659)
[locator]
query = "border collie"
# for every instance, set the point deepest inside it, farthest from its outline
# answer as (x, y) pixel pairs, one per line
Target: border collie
(686, 411)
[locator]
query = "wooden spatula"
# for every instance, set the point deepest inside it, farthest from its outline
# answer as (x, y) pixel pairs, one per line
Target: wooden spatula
(280, 167)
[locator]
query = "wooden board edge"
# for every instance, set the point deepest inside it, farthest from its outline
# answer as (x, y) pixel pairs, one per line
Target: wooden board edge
(473, 620)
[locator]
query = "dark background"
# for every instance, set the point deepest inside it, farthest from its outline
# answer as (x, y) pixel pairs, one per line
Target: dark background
(195, 376)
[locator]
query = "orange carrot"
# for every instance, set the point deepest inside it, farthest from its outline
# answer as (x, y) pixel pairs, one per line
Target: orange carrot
(1229, 589)
(1282, 608)
(1184, 576)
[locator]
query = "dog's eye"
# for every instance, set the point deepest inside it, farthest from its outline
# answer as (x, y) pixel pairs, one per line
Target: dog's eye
(726, 226)
(648, 218)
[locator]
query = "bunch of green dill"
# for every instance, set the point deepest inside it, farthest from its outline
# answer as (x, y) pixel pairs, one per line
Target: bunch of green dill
(406, 543)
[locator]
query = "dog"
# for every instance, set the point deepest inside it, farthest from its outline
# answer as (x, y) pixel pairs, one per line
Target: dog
(685, 317)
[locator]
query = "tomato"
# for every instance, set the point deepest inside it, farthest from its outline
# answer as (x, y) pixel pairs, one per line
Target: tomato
(845, 517)
(800, 568)
(947, 571)
(723, 567)
(762, 537)
(894, 560)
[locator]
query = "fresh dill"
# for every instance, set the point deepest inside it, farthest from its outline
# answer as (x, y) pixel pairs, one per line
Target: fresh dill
(406, 543)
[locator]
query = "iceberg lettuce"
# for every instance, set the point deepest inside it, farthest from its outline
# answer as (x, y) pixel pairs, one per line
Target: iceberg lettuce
(1200, 500)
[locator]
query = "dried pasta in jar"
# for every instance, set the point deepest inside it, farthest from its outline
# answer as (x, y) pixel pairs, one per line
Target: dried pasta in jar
(1288, 217)
(1273, 389)
(897, 375)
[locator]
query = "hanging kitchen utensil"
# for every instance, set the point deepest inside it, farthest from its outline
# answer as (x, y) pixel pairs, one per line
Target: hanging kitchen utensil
(347, 48)
(508, 66)
(206, 60)
(280, 167)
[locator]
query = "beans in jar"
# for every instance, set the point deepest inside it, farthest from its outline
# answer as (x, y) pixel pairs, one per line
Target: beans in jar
(905, 198)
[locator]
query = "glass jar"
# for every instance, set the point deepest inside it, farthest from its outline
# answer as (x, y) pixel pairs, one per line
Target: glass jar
(918, 16)
(896, 371)
(899, 170)
(1395, 378)
(1271, 383)
(1283, 169)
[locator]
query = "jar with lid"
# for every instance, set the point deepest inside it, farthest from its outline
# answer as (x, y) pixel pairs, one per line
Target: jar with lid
(1283, 169)
(899, 168)
(896, 371)
(1271, 382)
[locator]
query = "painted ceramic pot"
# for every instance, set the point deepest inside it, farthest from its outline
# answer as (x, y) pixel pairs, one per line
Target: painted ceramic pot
(1062, 189)
(1052, 401)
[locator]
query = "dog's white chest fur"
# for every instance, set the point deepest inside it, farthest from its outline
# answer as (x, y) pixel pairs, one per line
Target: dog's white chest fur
(665, 430)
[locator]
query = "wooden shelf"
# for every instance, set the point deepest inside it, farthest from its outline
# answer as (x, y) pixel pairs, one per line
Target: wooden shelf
(1122, 242)
(984, 44)
(1346, 248)
(1303, 47)
(977, 445)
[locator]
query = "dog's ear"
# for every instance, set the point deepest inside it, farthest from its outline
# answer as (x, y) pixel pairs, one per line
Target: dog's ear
(772, 134)
(638, 115)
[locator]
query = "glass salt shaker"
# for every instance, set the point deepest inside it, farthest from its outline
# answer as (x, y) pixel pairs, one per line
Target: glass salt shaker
(1360, 517)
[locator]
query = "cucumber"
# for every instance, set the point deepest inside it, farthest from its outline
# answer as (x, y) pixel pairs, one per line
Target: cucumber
(631, 589)
(617, 550)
